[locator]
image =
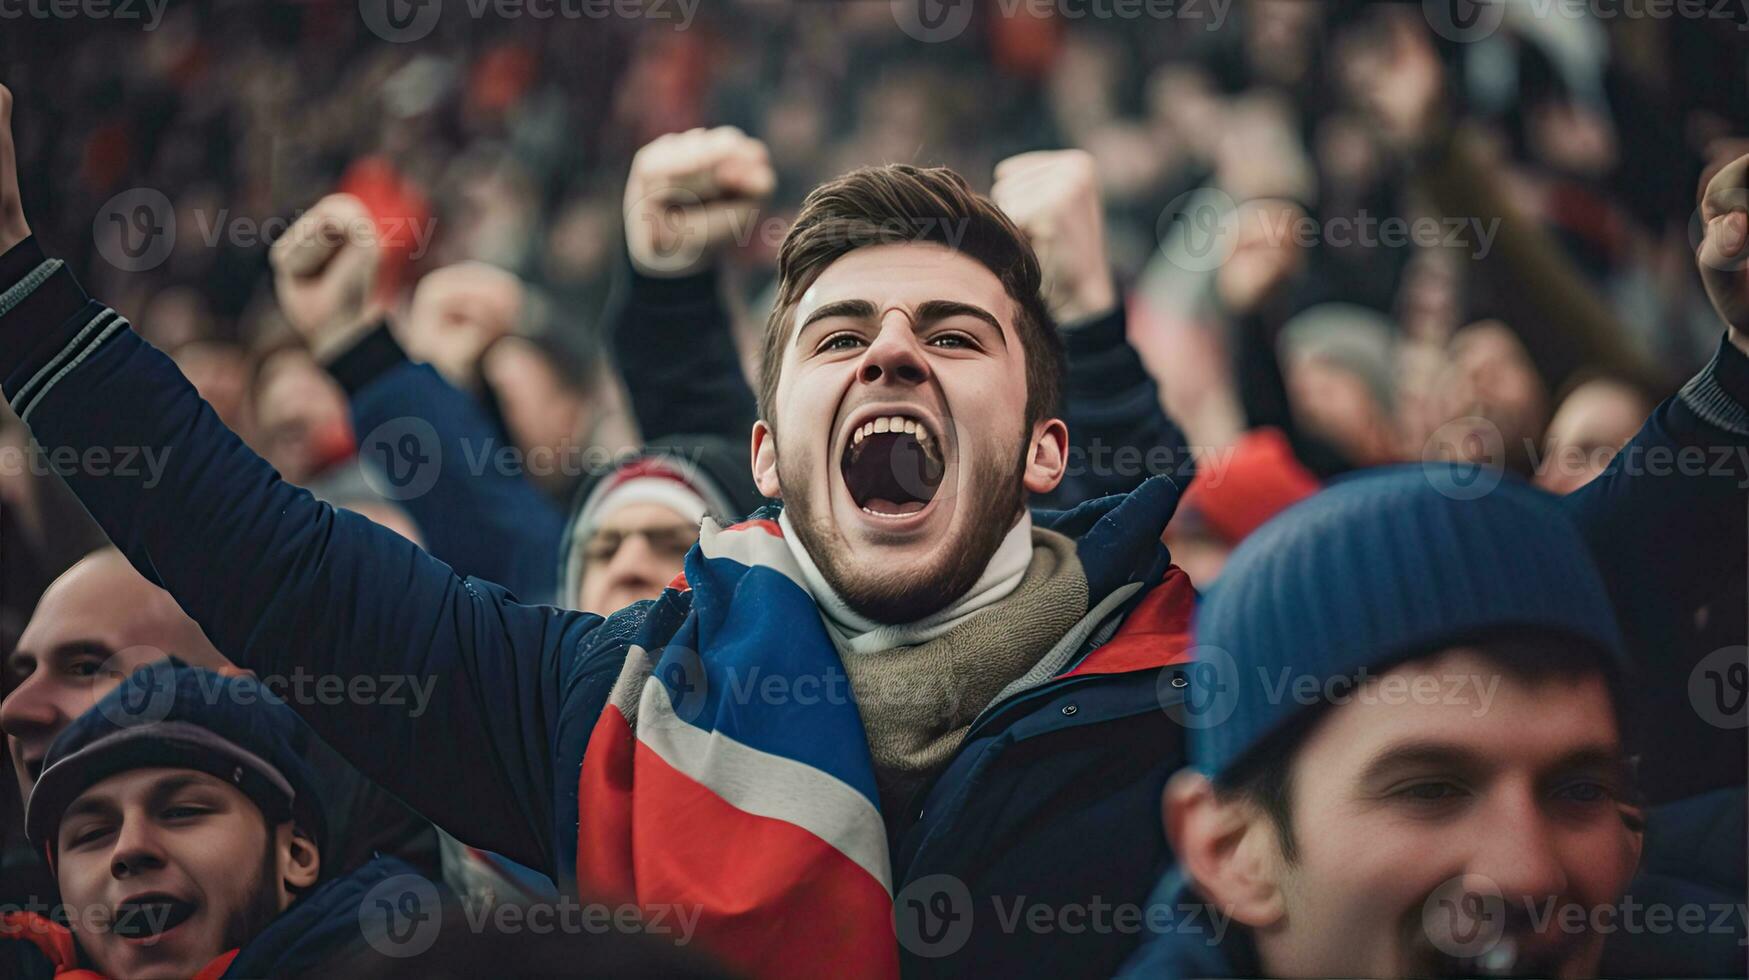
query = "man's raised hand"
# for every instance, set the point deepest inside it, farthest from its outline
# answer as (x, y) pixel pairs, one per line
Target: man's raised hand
(1724, 250)
(324, 273)
(691, 193)
(1053, 195)
(13, 228)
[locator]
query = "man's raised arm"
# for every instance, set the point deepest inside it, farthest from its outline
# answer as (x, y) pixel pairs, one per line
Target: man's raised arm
(1668, 519)
(1119, 435)
(434, 686)
(480, 519)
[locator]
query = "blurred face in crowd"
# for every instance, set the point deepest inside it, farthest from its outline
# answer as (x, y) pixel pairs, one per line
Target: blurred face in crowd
(166, 869)
(95, 625)
(899, 443)
(300, 416)
(1592, 424)
(638, 549)
(1406, 812)
(542, 411)
(1493, 387)
(1336, 404)
(1265, 254)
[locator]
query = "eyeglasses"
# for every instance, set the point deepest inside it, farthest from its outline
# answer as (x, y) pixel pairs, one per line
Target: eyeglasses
(672, 542)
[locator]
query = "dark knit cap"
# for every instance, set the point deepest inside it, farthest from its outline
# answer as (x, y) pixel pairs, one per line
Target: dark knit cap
(169, 715)
(1379, 568)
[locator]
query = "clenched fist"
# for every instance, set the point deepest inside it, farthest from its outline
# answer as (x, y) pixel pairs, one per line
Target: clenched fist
(324, 270)
(458, 312)
(1724, 251)
(691, 193)
(1053, 195)
(12, 226)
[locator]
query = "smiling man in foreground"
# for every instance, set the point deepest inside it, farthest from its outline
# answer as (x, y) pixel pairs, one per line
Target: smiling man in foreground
(1006, 673)
(186, 833)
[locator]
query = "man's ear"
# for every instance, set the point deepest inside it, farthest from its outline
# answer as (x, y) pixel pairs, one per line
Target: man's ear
(1048, 456)
(764, 458)
(301, 862)
(1227, 847)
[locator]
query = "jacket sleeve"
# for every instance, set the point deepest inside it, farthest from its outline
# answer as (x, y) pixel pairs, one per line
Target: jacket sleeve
(1118, 433)
(480, 515)
(442, 689)
(673, 346)
(1666, 519)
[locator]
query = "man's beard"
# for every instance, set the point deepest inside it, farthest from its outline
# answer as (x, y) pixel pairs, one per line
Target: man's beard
(995, 493)
(262, 906)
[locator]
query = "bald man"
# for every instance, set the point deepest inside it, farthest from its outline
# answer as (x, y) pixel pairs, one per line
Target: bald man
(100, 621)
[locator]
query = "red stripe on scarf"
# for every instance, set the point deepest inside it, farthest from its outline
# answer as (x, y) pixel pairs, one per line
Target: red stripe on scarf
(754, 911)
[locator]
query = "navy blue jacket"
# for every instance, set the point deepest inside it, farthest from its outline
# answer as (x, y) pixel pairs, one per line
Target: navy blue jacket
(1052, 799)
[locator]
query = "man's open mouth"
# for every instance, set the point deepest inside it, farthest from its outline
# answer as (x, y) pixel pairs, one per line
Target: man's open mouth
(149, 916)
(1505, 958)
(893, 465)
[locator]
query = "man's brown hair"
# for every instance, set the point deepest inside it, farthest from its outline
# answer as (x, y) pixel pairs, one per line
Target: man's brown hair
(899, 203)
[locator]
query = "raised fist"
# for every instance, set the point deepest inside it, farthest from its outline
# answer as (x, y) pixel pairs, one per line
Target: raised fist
(691, 193)
(324, 268)
(12, 226)
(1724, 250)
(1053, 195)
(458, 312)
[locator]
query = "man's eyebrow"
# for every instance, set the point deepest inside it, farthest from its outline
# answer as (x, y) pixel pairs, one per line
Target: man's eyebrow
(1421, 753)
(858, 309)
(74, 648)
(88, 806)
(1601, 758)
(940, 309)
(169, 786)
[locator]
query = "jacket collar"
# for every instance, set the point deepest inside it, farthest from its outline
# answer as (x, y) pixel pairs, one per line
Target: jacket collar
(319, 925)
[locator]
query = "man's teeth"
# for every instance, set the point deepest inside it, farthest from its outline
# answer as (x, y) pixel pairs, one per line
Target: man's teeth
(892, 423)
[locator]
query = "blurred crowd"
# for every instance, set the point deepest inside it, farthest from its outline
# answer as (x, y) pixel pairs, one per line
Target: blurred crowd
(1341, 235)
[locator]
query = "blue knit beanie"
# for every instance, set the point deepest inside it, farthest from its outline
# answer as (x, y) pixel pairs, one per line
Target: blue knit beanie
(169, 715)
(1376, 569)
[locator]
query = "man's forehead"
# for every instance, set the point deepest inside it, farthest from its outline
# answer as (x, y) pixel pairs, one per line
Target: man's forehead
(1471, 706)
(904, 276)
